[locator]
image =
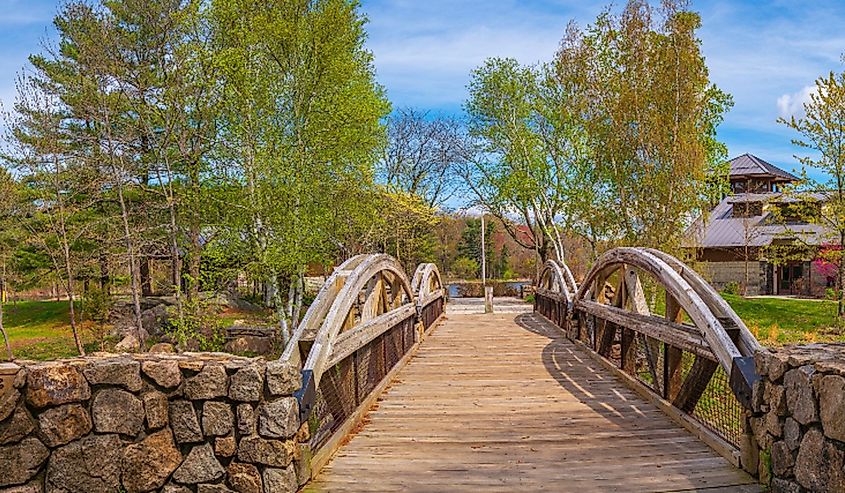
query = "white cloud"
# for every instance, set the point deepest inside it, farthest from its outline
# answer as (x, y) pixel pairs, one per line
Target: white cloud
(790, 105)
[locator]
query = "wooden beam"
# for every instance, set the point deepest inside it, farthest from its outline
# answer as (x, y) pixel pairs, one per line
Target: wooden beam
(678, 335)
(350, 341)
(694, 385)
(672, 356)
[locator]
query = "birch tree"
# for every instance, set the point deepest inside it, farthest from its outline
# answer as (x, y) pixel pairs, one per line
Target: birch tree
(302, 127)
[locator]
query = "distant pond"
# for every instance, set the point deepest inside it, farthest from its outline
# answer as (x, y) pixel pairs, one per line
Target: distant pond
(474, 289)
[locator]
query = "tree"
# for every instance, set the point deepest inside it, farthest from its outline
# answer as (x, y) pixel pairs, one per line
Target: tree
(59, 188)
(8, 199)
(470, 245)
(652, 117)
(525, 144)
(420, 155)
(300, 130)
(614, 140)
(822, 132)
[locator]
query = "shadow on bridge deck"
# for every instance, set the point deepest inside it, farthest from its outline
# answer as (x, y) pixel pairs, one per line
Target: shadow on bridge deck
(504, 402)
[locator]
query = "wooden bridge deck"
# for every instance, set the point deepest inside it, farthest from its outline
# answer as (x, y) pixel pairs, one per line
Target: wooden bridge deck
(503, 402)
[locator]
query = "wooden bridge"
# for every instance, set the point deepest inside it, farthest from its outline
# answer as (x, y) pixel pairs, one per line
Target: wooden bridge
(591, 391)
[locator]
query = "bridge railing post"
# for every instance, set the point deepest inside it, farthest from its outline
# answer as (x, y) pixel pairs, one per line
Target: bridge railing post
(488, 299)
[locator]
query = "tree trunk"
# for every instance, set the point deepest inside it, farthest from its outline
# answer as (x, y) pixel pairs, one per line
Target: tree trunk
(297, 306)
(745, 284)
(175, 261)
(194, 262)
(145, 276)
(9, 354)
(133, 265)
(105, 275)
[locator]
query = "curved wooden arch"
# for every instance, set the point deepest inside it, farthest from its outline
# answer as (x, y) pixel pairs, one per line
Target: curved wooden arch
(747, 343)
(315, 314)
(555, 279)
(367, 276)
(690, 301)
(427, 284)
(710, 315)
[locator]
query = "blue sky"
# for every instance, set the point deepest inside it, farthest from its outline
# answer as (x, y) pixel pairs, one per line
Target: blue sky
(767, 54)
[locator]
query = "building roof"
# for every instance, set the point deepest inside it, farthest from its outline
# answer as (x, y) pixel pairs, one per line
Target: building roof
(750, 165)
(722, 230)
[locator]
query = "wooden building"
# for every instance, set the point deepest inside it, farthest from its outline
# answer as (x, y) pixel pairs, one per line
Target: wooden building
(756, 227)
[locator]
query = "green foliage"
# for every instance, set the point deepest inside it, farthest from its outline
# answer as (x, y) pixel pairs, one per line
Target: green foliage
(820, 134)
(97, 305)
(731, 288)
(615, 139)
(470, 247)
(199, 328)
(831, 294)
(465, 268)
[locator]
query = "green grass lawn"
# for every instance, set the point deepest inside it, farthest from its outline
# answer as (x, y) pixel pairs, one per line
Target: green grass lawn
(787, 321)
(40, 329)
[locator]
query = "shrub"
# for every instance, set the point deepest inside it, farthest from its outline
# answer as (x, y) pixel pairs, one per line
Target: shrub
(97, 305)
(831, 294)
(731, 288)
(199, 328)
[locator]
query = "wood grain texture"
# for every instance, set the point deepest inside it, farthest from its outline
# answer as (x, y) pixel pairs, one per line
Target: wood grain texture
(504, 402)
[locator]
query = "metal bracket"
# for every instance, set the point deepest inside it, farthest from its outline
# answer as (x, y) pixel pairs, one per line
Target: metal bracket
(306, 395)
(743, 376)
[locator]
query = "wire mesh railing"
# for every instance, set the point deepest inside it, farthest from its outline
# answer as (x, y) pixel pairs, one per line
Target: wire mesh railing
(348, 383)
(695, 384)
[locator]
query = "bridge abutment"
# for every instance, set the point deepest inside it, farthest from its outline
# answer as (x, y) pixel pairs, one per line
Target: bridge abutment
(796, 427)
(204, 422)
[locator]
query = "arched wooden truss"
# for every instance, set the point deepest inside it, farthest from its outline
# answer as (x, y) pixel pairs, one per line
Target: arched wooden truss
(361, 327)
(697, 344)
(555, 291)
(427, 286)
(366, 298)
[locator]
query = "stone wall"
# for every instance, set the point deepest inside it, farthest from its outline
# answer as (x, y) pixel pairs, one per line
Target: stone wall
(193, 422)
(797, 425)
(720, 274)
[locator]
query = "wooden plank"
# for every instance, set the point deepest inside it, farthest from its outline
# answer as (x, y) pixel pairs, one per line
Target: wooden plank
(715, 442)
